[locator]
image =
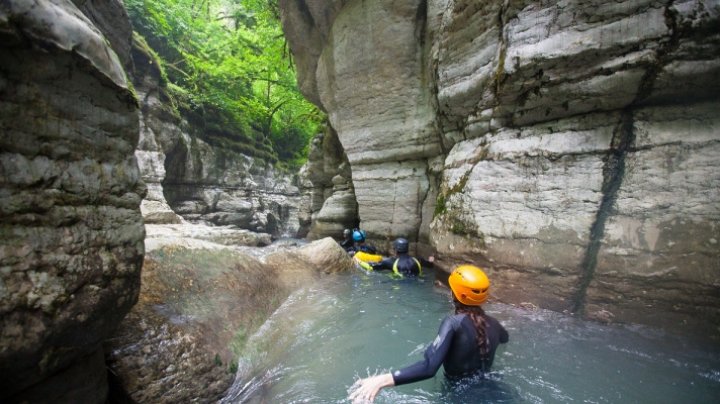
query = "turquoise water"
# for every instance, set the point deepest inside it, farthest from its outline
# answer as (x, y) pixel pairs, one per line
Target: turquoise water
(350, 325)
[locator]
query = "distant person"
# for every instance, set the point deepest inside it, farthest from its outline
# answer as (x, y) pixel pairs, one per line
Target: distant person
(402, 264)
(465, 344)
(360, 244)
(347, 243)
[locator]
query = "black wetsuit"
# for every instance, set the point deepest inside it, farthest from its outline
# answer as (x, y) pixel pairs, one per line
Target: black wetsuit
(365, 248)
(406, 265)
(348, 244)
(455, 347)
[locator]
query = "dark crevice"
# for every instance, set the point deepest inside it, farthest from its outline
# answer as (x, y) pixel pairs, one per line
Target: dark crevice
(613, 174)
(502, 52)
(647, 83)
(304, 11)
(614, 169)
(431, 75)
(421, 23)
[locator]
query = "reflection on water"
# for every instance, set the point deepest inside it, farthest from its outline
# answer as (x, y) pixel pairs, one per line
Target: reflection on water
(351, 325)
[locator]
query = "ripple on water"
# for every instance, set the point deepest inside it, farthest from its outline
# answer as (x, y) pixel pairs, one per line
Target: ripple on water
(326, 336)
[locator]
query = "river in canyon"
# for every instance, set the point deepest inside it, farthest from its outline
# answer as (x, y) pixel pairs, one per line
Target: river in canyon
(349, 325)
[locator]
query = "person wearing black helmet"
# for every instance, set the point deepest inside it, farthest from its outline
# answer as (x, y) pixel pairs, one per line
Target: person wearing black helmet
(402, 264)
(347, 244)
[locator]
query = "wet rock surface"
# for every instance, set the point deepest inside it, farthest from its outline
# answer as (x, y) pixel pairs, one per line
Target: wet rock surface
(72, 234)
(197, 307)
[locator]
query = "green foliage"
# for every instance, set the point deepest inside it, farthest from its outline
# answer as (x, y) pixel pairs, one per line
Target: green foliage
(442, 199)
(440, 206)
(229, 71)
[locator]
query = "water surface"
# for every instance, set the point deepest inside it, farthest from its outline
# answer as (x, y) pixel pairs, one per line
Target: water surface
(350, 325)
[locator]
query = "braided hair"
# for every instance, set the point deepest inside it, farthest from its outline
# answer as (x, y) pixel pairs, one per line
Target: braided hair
(477, 315)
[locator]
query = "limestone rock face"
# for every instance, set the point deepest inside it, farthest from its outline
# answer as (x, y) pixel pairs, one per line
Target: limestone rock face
(371, 69)
(160, 127)
(327, 189)
(665, 227)
(563, 144)
(190, 179)
(212, 185)
(310, 20)
(72, 234)
(110, 17)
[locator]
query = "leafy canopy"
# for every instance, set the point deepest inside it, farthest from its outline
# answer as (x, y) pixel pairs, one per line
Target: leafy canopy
(227, 63)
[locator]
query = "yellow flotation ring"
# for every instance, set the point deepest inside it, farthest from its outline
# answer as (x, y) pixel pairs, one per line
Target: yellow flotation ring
(363, 258)
(367, 257)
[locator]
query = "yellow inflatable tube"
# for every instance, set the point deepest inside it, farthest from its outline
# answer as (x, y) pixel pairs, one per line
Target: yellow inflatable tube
(367, 257)
(363, 258)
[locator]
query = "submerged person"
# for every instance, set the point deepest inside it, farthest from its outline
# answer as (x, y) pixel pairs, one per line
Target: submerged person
(347, 244)
(465, 345)
(402, 264)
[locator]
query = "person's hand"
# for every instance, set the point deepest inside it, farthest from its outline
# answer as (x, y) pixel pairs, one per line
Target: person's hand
(431, 259)
(365, 390)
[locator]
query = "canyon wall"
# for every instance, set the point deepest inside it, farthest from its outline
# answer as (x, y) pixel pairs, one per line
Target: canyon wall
(72, 234)
(87, 122)
(567, 146)
(190, 178)
(327, 189)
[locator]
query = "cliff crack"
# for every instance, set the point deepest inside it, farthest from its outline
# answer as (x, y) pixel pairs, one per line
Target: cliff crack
(647, 82)
(614, 169)
(502, 51)
(613, 173)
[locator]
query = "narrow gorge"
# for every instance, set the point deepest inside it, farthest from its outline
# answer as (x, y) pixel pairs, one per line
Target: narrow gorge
(570, 148)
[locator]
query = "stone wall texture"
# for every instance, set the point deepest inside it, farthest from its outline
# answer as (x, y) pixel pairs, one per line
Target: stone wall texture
(191, 179)
(565, 145)
(70, 190)
(327, 189)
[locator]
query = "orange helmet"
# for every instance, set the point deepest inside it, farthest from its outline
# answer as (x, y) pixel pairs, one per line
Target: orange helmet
(469, 284)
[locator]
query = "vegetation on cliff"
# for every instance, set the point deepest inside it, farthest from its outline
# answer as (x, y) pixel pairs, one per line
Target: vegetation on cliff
(230, 73)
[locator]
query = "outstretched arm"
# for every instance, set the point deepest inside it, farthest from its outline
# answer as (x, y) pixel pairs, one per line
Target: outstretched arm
(386, 263)
(365, 390)
(427, 263)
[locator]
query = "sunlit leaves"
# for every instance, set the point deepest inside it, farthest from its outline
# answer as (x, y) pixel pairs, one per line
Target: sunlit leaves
(230, 56)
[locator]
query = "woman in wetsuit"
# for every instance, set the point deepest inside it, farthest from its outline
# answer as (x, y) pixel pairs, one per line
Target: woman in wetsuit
(465, 344)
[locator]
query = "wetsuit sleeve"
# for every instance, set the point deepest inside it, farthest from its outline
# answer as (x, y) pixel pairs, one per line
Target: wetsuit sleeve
(425, 263)
(434, 357)
(386, 263)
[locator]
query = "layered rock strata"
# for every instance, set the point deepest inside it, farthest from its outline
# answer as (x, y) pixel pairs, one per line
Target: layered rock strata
(189, 178)
(72, 234)
(160, 127)
(565, 144)
(212, 185)
(327, 189)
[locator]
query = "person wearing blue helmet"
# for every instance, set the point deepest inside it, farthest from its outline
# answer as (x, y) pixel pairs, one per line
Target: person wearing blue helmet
(360, 244)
